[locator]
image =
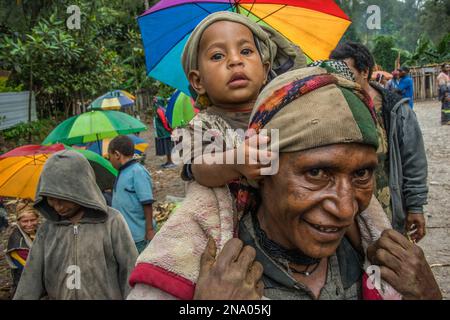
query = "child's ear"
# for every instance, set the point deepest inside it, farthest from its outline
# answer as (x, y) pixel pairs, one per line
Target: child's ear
(195, 82)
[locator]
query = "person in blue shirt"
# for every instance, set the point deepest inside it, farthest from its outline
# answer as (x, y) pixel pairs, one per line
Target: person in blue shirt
(406, 86)
(132, 193)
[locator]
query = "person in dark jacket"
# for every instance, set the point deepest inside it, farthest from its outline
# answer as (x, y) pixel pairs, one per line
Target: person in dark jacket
(84, 251)
(402, 174)
(21, 240)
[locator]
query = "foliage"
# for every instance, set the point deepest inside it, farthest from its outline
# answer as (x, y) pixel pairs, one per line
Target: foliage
(383, 52)
(417, 29)
(38, 130)
(426, 52)
(6, 87)
(73, 67)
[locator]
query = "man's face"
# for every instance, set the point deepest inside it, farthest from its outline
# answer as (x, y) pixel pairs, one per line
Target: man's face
(447, 68)
(314, 198)
(230, 68)
(64, 208)
(360, 77)
(28, 222)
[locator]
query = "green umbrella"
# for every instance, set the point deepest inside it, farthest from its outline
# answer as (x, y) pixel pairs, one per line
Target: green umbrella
(94, 126)
(105, 173)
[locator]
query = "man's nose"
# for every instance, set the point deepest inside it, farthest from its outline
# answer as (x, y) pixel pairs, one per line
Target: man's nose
(342, 204)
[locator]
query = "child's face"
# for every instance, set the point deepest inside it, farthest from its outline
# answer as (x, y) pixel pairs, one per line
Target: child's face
(230, 71)
(115, 159)
(64, 208)
(28, 222)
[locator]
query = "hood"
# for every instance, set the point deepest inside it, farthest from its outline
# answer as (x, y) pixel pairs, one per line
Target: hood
(68, 175)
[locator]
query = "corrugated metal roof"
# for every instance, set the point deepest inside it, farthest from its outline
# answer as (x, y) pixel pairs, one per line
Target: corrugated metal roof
(14, 108)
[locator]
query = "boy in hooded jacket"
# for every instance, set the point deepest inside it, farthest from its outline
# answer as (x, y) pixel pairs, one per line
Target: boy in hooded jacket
(84, 250)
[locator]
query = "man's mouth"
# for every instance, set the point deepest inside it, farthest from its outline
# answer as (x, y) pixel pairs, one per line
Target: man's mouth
(325, 228)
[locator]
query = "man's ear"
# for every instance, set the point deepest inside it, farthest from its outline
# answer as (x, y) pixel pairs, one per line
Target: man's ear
(196, 82)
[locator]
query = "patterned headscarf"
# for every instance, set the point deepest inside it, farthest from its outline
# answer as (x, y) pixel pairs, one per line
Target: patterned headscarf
(311, 108)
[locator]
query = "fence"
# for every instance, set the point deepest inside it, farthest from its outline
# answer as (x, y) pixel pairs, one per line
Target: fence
(425, 84)
(14, 108)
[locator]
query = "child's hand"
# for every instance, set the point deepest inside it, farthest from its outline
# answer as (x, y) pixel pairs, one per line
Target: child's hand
(150, 234)
(248, 161)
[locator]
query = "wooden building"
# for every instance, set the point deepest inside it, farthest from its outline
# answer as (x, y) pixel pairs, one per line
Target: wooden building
(425, 84)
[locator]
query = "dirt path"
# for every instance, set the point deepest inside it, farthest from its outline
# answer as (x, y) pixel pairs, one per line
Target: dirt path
(166, 182)
(436, 244)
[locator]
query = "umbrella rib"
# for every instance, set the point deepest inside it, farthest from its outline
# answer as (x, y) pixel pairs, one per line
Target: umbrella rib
(177, 42)
(195, 3)
(261, 19)
(250, 10)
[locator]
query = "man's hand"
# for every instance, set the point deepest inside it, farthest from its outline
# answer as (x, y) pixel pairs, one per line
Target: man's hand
(234, 275)
(150, 233)
(404, 267)
(416, 221)
(250, 148)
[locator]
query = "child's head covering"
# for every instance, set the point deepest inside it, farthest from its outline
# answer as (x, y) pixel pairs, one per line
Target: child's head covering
(282, 54)
(67, 175)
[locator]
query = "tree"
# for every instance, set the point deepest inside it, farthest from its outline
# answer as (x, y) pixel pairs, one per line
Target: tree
(383, 52)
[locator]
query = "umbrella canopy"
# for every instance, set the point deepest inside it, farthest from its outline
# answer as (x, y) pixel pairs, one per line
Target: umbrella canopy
(113, 100)
(102, 148)
(21, 168)
(94, 126)
(180, 110)
(315, 26)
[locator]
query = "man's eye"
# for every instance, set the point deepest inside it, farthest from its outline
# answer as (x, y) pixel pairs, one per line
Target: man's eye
(316, 173)
(364, 174)
(217, 56)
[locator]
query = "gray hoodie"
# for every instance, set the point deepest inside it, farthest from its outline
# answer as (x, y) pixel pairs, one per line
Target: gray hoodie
(90, 260)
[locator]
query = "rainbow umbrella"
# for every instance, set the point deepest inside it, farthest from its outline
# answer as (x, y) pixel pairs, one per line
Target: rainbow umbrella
(113, 100)
(21, 168)
(315, 26)
(94, 126)
(180, 109)
(102, 149)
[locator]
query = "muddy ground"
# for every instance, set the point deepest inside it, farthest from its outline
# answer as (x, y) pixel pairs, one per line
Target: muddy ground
(437, 242)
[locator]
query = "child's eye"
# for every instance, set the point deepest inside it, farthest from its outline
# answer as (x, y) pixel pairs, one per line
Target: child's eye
(246, 52)
(217, 56)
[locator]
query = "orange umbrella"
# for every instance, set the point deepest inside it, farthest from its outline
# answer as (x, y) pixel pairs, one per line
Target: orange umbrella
(21, 168)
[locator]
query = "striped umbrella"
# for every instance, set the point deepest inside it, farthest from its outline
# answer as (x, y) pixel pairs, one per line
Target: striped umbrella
(315, 26)
(140, 145)
(94, 126)
(113, 100)
(180, 110)
(21, 168)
